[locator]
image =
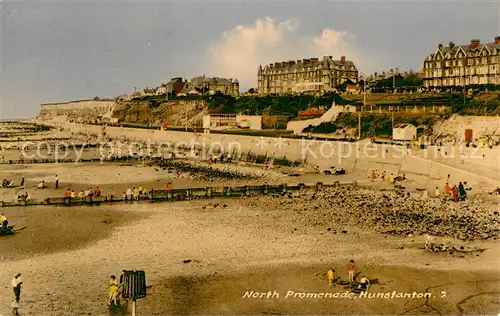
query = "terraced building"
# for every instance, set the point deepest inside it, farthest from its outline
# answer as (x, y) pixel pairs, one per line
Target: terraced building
(306, 75)
(473, 64)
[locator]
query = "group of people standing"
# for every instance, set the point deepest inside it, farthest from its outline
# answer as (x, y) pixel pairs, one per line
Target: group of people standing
(135, 193)
(364, 282)
(83, 195)
(457, 193)
(392, 179)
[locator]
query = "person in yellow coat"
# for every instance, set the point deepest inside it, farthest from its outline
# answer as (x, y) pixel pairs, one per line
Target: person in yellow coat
(331, 276)
(391, 179)
(113, 290)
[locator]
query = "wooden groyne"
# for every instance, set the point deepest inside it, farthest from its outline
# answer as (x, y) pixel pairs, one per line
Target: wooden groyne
(53, 161)
(180, 194)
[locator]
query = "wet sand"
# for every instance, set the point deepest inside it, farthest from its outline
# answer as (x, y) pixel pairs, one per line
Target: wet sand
(48, 230)
(474, 293)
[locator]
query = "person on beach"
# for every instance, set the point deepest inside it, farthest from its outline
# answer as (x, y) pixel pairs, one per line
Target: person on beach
(454, 192)
(351, 270)
(448, 189)
(364, 283)
(81, 195)
(113, 291)
(391, 179)
(73, 194)
(67, 195)
(495, 191)
(56, 180)
(3, 220)
(129, 194)
(467, 188)
(41, 185)
(169, 187)
(331, 276)
(436, 194)
(22, 181)
(136, 193)
(374, 175)
(461, 191)
(124, 196)
(90, 194)
(97, 192)
(16, 286)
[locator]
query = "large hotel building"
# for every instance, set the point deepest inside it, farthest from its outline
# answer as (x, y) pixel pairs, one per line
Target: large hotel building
(471, 64)
(306, 75)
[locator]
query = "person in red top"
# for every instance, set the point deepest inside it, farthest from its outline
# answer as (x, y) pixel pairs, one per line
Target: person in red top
(67, 195)
(351, 269)
(374, 175)
(447, 189)
(169, 186)
(454, 191)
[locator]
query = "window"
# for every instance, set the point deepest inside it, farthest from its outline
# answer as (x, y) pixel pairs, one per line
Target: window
(469, 62)
(494, 60)
(460, 62)
(483, 60)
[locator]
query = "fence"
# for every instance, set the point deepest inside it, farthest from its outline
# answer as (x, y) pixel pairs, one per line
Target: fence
(181, 194)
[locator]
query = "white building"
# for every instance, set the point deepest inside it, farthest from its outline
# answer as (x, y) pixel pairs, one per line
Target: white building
(253, 122)
(232, 121)
(404, 132)
(161, 90)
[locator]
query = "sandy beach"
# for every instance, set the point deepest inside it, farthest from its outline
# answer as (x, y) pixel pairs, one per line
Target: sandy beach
(202, 257)
(239, 242)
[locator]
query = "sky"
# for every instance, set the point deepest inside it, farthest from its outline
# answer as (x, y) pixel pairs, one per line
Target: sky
(55, 51)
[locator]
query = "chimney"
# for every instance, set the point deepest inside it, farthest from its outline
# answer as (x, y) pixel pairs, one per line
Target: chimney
(497, 40)
(474, 43)
(342, 59)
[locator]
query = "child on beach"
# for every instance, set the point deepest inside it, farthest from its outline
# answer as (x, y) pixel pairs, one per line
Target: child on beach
(351, 270)
(331, 276)
(113, 290)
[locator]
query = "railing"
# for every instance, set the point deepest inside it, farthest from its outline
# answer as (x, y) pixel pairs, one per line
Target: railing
(180, 194)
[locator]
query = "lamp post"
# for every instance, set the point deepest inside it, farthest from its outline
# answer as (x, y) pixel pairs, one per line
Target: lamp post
(364, 92)
(394, 77)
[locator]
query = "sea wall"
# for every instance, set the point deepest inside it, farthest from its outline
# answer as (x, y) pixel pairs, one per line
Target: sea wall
(454, 127)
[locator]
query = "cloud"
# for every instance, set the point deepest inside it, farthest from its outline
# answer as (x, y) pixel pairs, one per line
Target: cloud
(239, 51)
